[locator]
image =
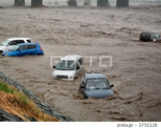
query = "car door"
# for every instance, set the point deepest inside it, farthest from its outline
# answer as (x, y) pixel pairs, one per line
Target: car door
(148, 38)
(22, 50)
(11, 44)
(31, 49)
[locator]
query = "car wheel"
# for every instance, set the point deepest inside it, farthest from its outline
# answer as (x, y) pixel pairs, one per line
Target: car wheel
(75, 77)
(39, 54)
(85, 97)
(78, 96)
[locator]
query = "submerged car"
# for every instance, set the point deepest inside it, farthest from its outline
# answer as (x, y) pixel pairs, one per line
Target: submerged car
(150, 36)
(95, 85)
(24, 49)
(68, 67)
(10, 43)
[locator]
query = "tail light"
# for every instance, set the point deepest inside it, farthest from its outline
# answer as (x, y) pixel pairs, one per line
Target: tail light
(41, 49)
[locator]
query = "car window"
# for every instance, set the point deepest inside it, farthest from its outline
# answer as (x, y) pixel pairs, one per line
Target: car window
(12, 43)
(24, 47)
(154, 35)
(65, 65)
(4, 42)
(31, 46)
(143, 34)
(20, 41)
(16, 47)
(147, 35)
(97, 84)
(29, 41)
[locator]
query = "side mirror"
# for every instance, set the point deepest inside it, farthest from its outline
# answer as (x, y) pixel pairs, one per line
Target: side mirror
(54, 66)
(82, 87)
(19, 50)
(111, 86)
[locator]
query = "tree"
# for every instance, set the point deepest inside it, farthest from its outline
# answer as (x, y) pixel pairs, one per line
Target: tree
(19, 3)
(122, 3)
(102, 3)
(36, 3)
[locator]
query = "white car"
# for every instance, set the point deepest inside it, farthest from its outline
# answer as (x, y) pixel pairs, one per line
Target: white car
(10, 43)
(68, 67)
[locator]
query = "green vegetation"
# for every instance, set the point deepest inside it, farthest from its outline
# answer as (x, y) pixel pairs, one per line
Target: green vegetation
(19, 104)
(5, 88)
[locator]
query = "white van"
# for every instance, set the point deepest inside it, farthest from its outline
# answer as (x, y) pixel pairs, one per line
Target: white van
(10, 43)
(68, 67)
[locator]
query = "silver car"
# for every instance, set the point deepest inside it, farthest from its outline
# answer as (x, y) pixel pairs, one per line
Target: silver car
(95, 85)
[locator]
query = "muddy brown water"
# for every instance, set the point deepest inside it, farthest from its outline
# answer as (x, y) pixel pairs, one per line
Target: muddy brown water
(136, 66)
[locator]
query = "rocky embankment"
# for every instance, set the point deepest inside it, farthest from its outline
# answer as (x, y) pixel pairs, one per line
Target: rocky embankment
(46, 108)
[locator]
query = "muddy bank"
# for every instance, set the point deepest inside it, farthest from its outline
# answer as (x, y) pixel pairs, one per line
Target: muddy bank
(40, 103)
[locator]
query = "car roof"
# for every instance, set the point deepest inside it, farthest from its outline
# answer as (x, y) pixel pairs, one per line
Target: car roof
(149, 33)
(27, 44)
(71, 57)
(94, 76)
(19, 38)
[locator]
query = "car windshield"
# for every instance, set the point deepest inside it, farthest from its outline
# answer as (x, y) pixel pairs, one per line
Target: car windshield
(97, 84)
(65, 65)
(154, 35)
(15, 48)
(4, 42)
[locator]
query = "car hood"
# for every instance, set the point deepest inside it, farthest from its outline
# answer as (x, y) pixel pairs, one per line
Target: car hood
(2, 47)
(99, 93)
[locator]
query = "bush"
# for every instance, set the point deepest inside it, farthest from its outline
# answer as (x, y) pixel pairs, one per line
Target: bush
(72, 3)
(87, 2)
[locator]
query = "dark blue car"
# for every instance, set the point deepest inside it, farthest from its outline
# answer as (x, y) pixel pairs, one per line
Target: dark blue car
(24, 49)
(95, 85)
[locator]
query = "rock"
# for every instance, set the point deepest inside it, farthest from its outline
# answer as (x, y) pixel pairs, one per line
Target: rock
(4, 116)
(46, 108)
(31, 119)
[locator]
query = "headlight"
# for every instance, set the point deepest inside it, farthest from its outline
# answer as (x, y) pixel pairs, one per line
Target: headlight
(70, 77)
